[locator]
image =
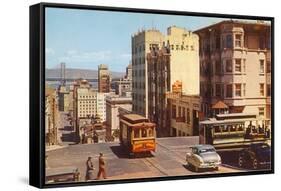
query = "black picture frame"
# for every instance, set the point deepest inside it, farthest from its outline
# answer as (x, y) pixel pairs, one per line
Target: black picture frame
(37, 92)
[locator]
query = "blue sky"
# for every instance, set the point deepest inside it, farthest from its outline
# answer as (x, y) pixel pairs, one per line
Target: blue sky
(87, 38)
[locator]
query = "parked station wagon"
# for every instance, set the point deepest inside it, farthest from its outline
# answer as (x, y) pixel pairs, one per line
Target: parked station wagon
(203, 157)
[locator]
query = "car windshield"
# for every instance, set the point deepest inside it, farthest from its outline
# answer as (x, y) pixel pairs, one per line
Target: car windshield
(207, 150)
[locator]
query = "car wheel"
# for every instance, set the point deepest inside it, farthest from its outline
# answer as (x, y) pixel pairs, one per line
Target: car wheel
(255, 164)
(240, 161)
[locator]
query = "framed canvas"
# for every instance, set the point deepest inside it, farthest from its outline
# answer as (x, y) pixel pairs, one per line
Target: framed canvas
(130, 95)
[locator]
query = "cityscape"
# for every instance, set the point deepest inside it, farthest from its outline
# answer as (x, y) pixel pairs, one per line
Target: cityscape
(182, 102)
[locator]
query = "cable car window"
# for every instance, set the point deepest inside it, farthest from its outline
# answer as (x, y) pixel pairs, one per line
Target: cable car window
(232, 128)
(217, 129)
(224, 129)
(150, 132)
(143, 133)
(136, 133)
(240, 127)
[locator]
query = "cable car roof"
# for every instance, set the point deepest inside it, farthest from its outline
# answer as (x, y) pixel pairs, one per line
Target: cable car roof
(213, 121)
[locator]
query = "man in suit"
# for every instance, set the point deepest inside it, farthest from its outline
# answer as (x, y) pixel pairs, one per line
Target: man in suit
(89, 169)
(101, 167)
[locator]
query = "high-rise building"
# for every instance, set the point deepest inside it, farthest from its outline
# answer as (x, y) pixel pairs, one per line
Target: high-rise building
(103, 79)
(235, 66)
(63, 98)
(141, 45)
(90, 103)
(175, 64)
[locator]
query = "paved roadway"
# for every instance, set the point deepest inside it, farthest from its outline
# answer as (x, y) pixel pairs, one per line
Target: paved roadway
(65, 131)
(168, 160)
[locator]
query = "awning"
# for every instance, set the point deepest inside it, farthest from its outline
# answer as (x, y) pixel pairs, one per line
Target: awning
(220, 105)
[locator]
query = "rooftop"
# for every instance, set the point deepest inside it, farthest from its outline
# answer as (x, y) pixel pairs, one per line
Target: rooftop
(134, 117)
(249, 23)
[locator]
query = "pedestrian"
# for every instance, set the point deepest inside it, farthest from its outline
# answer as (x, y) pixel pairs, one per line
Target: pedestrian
(101, 167)
(89, 169)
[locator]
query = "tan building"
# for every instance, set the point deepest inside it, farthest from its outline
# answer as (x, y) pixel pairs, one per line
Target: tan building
(176, 61)
(113, 103)
(103, 79)
(235, 67)
(73, 91)
(183, 114)
(51, 117)
(142, 42)
(183, 46)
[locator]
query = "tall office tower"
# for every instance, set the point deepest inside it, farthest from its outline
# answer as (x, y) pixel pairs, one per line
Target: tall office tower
(62, 73)
(175, 64)
(235, 66)
(103, 79)
(141, 45)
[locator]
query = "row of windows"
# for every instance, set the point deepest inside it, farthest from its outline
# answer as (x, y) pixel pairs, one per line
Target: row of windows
(140, 85)
(232, 41)
(138, 109)
(143, 133)
(233, 90)
(181, 113)
(139, 61)
(90, 96)
(87, 106)
(236, 90)
(85, 102)
(137, 73)
(181, 47)
(138, 97)
(237, 65)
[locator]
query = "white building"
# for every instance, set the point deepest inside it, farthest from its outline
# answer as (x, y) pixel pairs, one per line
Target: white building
(113, 103)
(90, 102)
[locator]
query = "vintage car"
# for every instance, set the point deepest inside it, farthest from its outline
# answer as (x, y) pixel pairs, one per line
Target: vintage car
(62, 174)
(203, 157)
(256, 156)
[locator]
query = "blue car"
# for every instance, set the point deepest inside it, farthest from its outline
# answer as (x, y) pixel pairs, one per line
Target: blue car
(256, 156)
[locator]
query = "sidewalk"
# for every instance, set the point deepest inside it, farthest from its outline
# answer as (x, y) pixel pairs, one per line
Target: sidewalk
(55, 147)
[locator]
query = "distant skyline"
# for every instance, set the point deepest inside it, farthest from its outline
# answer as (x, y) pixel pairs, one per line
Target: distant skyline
(86, 38)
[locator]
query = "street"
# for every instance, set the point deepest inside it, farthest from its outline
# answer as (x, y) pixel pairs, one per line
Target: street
(66, 133)
(168, 160)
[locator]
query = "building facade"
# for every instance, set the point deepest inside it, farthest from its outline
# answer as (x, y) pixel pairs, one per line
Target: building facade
(92, 130)
(63, 96)
(103, 79)
(51, 117)
(183, 114)
(113, 103)
(174, 63)
(142, 42)
(235, 67)
(90, 102)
